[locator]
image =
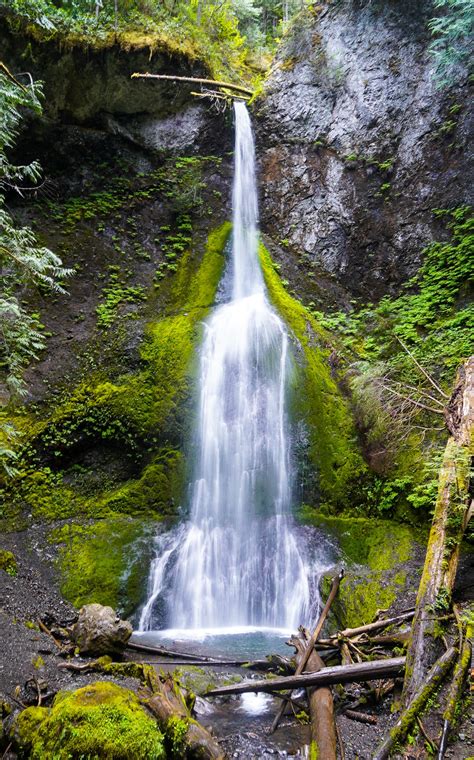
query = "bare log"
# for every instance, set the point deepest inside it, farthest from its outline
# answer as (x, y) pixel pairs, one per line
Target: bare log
(365, 671)
(435, 676)
(321, 707)
(194, 80)
(449, 522)
(312, 640)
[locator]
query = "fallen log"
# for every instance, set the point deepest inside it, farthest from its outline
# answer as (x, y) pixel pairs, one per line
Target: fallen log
(163, 652)
(449, 523)
(167, 704)
(365, 671)
(321, 707)
(194, 80)
(398, 733)
(304, 658)
(455, 694)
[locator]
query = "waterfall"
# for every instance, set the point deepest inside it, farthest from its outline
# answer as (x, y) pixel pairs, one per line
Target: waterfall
(238, 561)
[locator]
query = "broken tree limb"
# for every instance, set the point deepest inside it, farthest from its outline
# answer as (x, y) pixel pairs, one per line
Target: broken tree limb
(360, 716)
(365, 671)
(321, 707)
(167, 704)
(449, 521)
(194, 80)
(312, 641)
(401, 728)
(350, 633)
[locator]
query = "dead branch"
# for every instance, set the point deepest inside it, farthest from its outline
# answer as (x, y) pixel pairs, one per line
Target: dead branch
(194, 80)
(310, 644)
(377, 625)
(360, 716)
(12, 77)
(422, 369)
(435, 676)
(366, 671)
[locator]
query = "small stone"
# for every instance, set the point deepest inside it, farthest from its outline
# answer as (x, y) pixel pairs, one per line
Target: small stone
(99, 630)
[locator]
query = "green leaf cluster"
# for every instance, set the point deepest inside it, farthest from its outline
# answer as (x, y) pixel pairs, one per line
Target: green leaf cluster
(434, 315)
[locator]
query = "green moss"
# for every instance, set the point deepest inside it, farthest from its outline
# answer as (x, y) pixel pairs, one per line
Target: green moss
(8, 562)
(142, 414)
(374, 553)
(106, 562)
(319, 402)
(101, 720)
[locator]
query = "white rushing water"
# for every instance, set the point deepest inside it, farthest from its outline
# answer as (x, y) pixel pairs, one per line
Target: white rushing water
(238, 560)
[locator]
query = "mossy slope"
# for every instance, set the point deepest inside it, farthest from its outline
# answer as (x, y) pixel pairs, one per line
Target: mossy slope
(142, 414)
(375, 555)
(319, 403)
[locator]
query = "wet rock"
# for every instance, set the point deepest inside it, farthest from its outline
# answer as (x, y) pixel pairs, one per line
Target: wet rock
(99, 630)
(358, 144)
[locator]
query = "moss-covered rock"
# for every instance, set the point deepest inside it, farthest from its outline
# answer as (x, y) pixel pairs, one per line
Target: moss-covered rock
(318, 401)
(105, 562)
(8, 562)
(376, 555)
(102, 720)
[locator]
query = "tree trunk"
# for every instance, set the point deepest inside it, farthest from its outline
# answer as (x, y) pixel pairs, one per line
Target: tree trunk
(448, 526)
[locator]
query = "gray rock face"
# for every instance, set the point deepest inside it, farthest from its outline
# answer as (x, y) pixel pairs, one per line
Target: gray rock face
(99, 630)
(358, 144)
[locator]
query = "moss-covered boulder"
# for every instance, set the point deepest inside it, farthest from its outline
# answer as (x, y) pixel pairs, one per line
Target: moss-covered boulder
(8, 562)
(101, 720)
(377, 556)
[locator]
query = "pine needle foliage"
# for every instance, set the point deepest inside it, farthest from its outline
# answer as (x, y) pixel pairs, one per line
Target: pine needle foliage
(23, 262)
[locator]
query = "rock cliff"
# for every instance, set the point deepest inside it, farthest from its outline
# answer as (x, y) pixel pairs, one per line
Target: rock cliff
(358, 144)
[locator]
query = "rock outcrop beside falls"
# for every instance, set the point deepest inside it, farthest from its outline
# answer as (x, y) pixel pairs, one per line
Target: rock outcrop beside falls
(358, 143)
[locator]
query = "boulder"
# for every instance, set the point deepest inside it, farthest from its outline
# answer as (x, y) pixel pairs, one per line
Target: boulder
(99, 630)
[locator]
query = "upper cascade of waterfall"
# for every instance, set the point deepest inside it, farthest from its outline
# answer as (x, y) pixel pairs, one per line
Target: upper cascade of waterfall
(247, 276)
(239, 560)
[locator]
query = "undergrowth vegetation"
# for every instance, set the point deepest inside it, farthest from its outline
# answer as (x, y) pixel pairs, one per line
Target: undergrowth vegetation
(401, 360)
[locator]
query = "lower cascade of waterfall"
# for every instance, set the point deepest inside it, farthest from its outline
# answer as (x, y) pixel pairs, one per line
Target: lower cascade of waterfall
(240, 561)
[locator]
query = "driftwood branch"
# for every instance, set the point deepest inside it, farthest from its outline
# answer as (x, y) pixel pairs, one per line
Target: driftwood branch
(195, 80)
(399, 732)
(350, 633)
(366, 671)
(304, 657)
